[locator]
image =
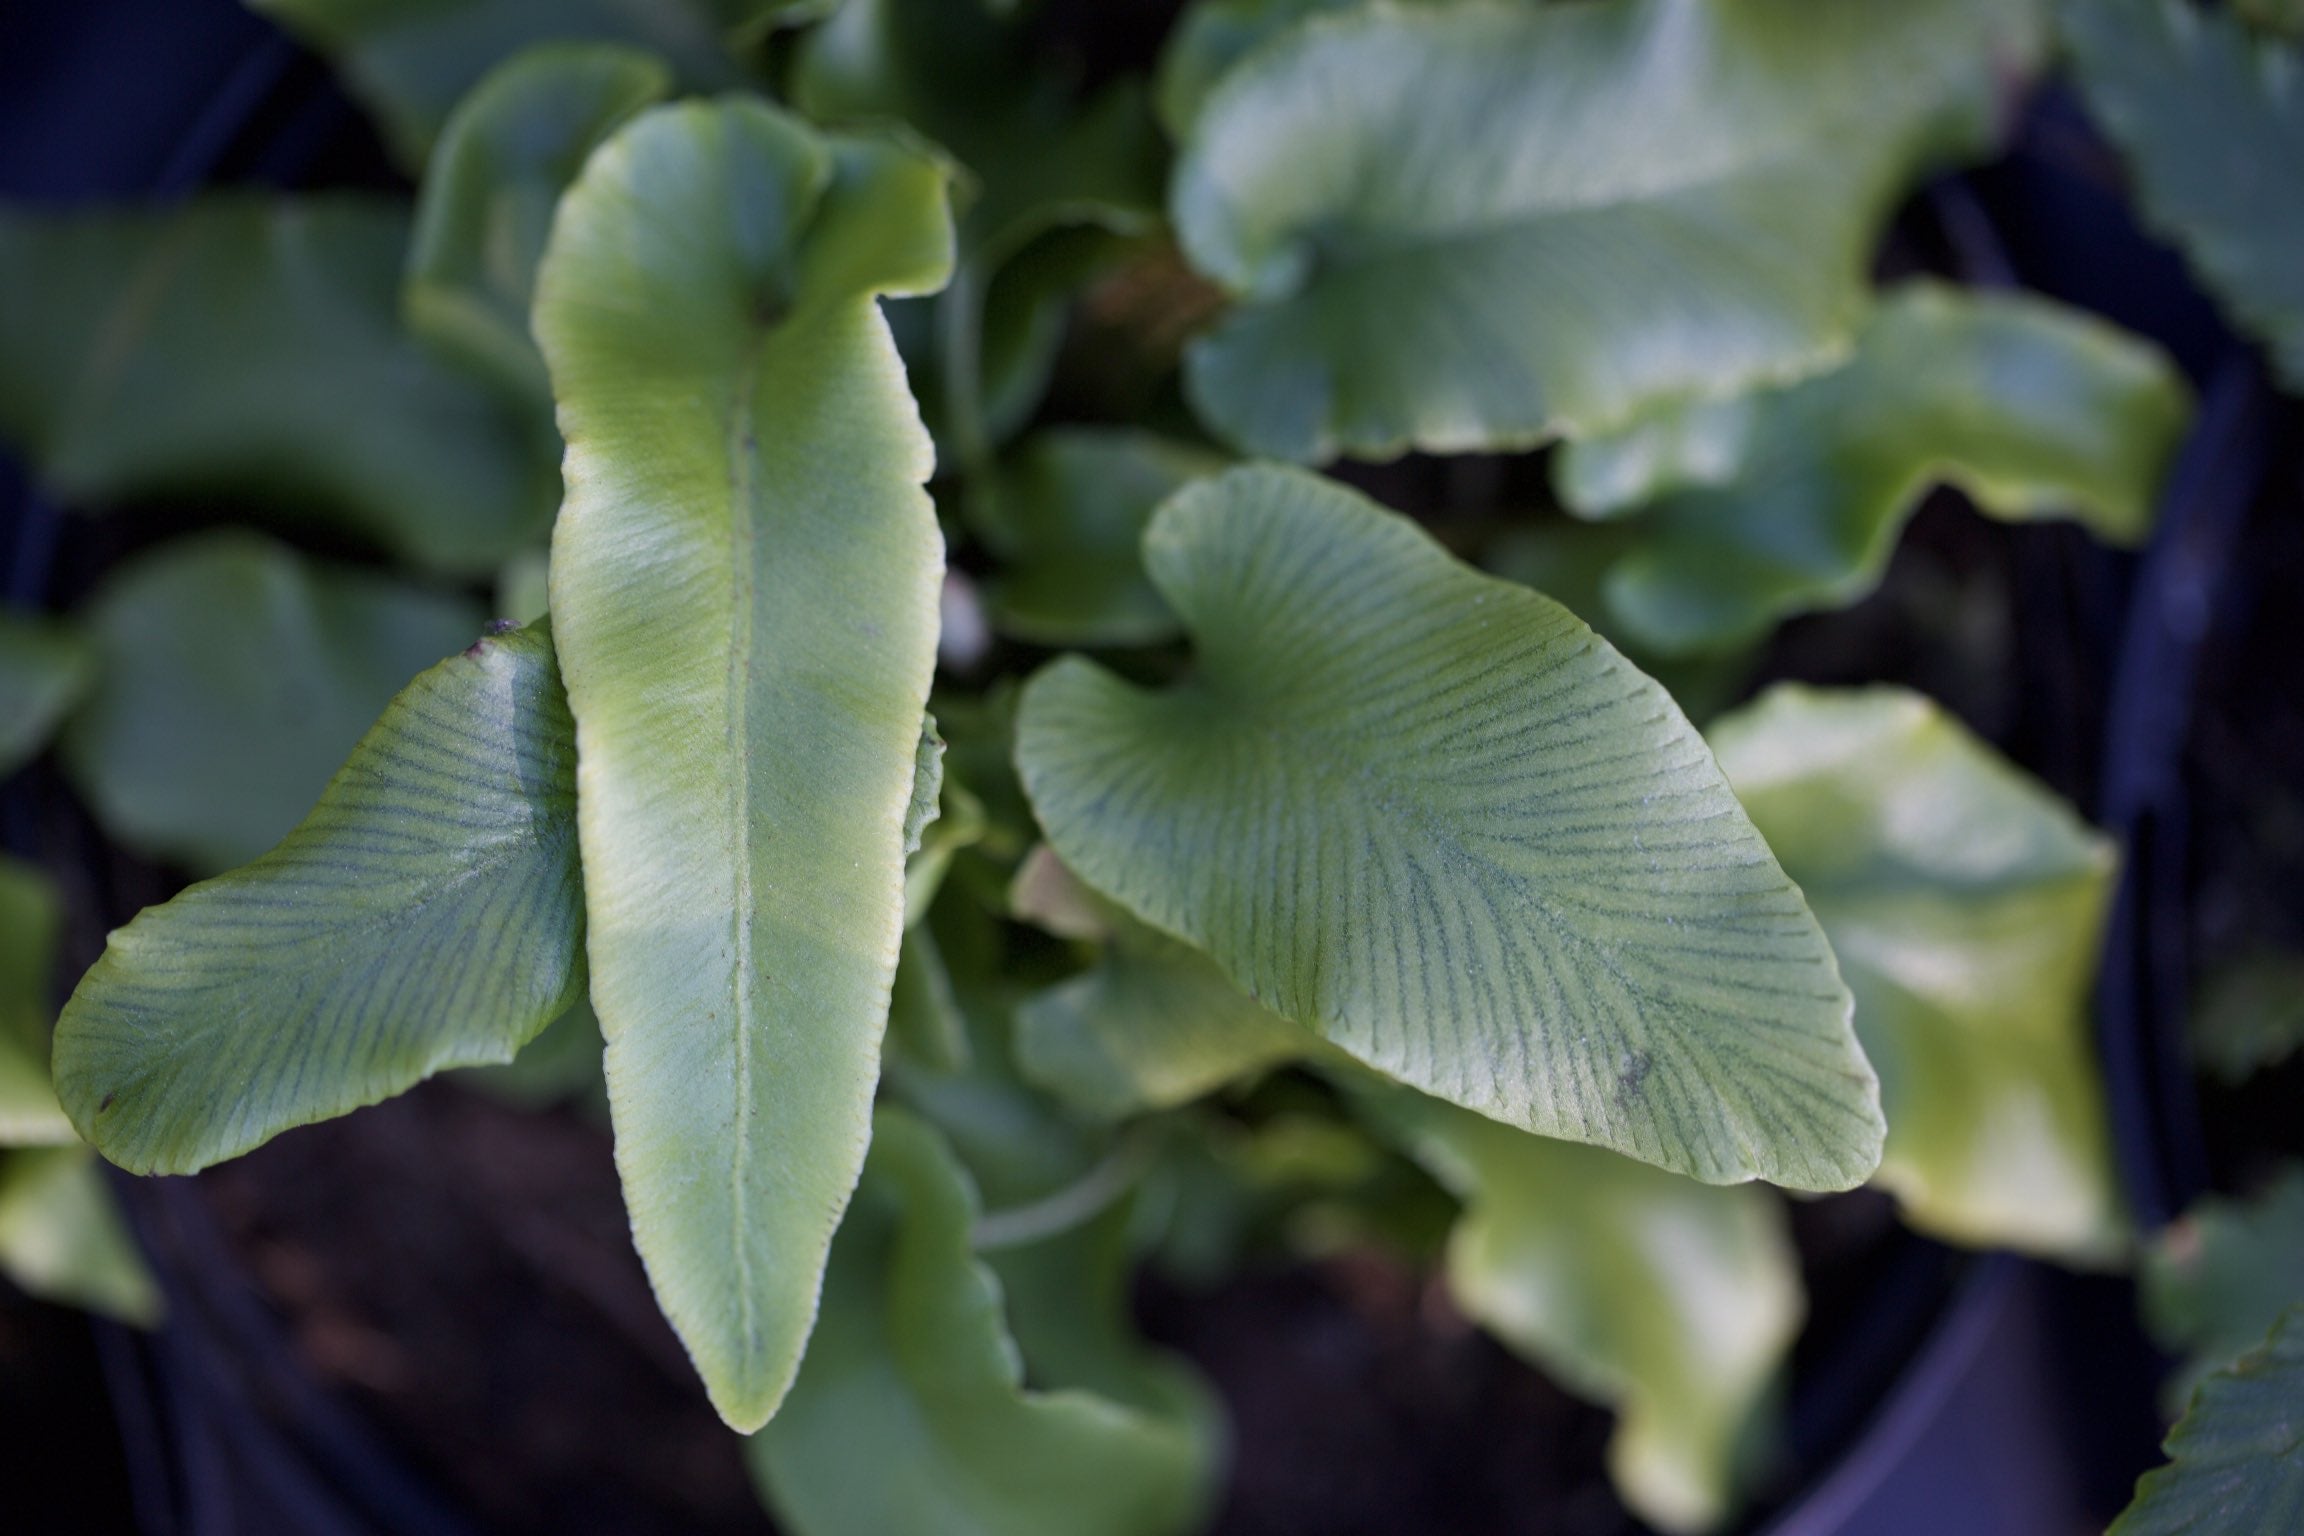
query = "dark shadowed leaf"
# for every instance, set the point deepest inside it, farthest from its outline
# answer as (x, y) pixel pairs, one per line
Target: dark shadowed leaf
(2215, 1280)
(44, 667)
(233, 675)
(2236, 1458)
(250, 347)
(31, 917)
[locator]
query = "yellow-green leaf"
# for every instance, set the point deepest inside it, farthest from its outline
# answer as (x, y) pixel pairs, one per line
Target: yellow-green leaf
(426, 915)
(1966, 904)
(1434, 818)
(745, 580)
(62, 1238)
(31, 917)
(1776, 503)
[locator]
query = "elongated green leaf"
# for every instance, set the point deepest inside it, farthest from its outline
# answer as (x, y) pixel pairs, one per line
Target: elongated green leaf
(910, 1417)
(744, 590)
(62, 1239)
(505, 156)
(2249, 1016)
(2211, 120)
(1477, 226)
(250, 347)
(1151, 1025)
(426, 915)
(2217, 1279)
(411, 61)
(1067, 515)
(1211, 37)
(1431, 816)
(1966, 904)
(233, 675)
(31, 916)
(43, 669)
(1674, 1302)
(2236, 1459)
(1775, 503)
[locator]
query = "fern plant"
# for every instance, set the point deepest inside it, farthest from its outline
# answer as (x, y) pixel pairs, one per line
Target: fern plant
(714, 355)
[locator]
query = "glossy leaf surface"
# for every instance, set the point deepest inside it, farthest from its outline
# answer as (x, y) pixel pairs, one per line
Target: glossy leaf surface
(411, 61)
(1674, 1302)
(744, 591)
(1066, 513)
(2211, 121)
(31, 917)
(486, 205)
(910, 1416)
(1432, 817)
(62, 1238)
(249, 347)
(43, 669)
(1776, 503)
(1478, 226)
(426, 915)
(2235, 1467)
(2215, 1280)
(1966, 904)
(233, 675)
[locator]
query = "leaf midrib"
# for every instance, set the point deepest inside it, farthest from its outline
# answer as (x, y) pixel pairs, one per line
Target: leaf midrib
(743, 449)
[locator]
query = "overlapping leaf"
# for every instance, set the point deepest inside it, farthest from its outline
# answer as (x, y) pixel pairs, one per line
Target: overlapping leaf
(2211, 120)
(2218, 1278)
(411, 61)
(744, 591)
(426, 915)
(1478, 226)
(31, 915)
(245, 346)
(1966, 904)
(1066, 513)
(43, 669)
(505, 156)
(62, 1238)
(2236, 1458)
(1434, 818)
(910, 1417)
(233, 675)
(1150, 1025)
(1214, 35)
(1673, 1302)
(1774, 503)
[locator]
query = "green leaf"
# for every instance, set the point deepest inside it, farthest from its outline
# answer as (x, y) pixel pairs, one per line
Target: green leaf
(1214, 35)
(44, 668)
(910, 1416)
(485, 209)
(745, 580)
(1432, 817)
(426, 915)
(2284, 17)
(1674, 1302)
(2249, 1016)
(1151, 1025)
(1777, 503)
(31, 917)
(1051, 179)
(2211, 120)
(62, 1238)
(1966, 904)
(2216, 1279)
(241, 346)
(2236, 1458)
(411, 61)
(1478, 226)
(562, 1065)
(233, 675)
(1066, 515)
